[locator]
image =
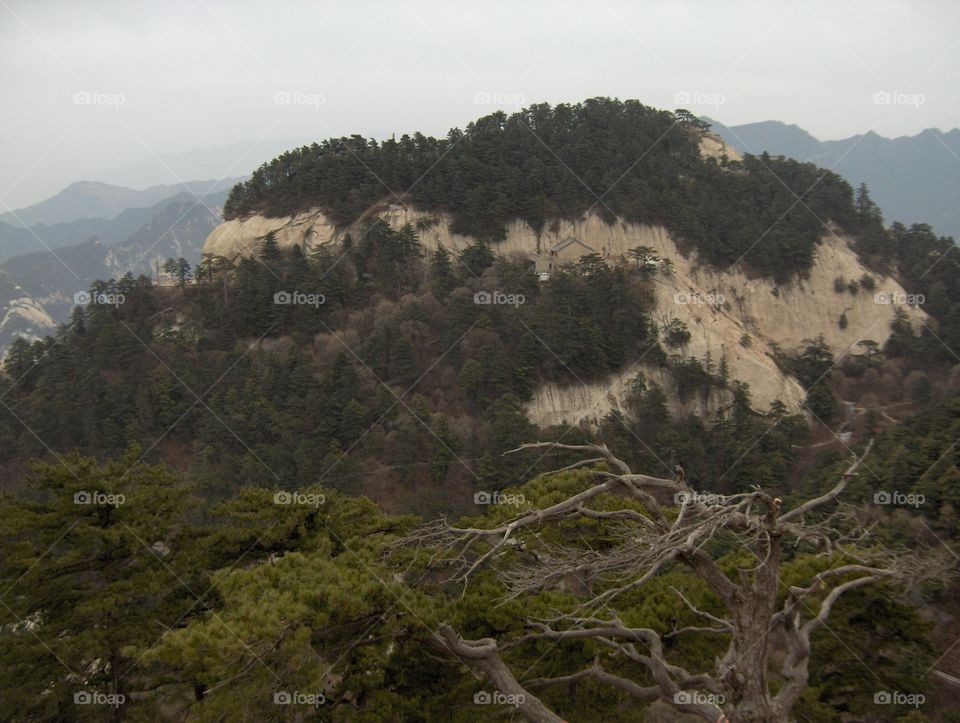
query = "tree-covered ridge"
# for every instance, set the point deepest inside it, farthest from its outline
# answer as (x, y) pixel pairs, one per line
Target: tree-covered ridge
(618, 159)
(195, 407)
(402, 380)
(304, 384)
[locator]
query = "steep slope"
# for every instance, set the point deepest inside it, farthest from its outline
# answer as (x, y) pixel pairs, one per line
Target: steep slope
(914, 179)
(177, 230)
(20, 314)
(753, 270)
(729, 315)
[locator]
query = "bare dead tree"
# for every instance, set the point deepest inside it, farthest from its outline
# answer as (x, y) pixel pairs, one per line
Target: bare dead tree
(648, 538)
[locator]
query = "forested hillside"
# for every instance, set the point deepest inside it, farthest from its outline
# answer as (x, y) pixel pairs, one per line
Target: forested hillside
(278, 490)
(541, 163)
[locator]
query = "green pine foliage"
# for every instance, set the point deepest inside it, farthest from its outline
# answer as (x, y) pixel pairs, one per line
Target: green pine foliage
(615, 158)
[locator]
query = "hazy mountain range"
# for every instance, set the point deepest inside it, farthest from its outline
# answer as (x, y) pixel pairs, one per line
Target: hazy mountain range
(37, 287)
(90, 208)
(912, 178)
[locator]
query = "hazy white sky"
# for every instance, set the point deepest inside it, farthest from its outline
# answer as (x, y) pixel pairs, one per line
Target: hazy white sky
(86, 87)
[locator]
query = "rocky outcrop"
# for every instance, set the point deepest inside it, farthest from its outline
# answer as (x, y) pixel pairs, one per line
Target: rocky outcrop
(589, 403)
(730, 316)
(713, 146)
(20, 315)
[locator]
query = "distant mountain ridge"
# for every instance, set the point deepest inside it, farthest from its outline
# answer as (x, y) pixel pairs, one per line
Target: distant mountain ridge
(97, 204)
(37, 289)
(914, 179)
(93, 199)
(16, 240)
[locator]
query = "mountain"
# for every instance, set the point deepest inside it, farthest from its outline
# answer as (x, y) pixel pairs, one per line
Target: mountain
(649, 166)
(720, 307)
(335, 408)
(760, 269)
(912, 178)
(96, 200)
(16, 240)
(37, 289)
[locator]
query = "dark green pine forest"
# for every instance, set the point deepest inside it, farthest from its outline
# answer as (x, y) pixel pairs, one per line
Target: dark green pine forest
(209, 499)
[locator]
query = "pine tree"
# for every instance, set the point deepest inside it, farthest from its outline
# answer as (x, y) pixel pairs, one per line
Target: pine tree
(181, 270)
(477, 258)
(441, 273)
(403, 361)
(91, 569)
(270, 249)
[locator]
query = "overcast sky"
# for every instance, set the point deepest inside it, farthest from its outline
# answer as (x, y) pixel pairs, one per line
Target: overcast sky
(88, 88)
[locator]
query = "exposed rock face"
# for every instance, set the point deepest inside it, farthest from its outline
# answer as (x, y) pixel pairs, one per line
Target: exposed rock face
(243, 237)
(589, 403)
(20, 315)
(729, 315)
(713, 146)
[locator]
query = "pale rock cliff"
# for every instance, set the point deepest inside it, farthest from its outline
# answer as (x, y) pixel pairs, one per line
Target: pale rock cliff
(729, 315)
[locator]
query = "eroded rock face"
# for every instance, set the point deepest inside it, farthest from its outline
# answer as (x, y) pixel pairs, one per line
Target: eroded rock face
(713, 146)
(729, 315)
(243, 237)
